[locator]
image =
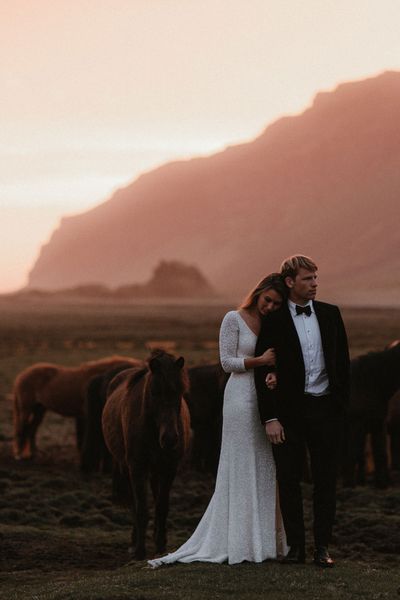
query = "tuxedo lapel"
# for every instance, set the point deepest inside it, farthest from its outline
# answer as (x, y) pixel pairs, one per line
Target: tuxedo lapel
(325, 327)
(291, 338)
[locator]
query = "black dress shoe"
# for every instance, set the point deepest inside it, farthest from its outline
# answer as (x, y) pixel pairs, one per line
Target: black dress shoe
(295, 556)
(322, 558)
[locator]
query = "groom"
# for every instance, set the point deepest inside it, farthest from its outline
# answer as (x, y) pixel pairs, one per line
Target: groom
(308, 404)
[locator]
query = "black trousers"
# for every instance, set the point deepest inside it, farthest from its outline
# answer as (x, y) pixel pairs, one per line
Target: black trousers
(318, 428)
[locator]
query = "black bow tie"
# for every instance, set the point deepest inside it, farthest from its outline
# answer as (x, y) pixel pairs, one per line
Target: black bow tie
(303, 309)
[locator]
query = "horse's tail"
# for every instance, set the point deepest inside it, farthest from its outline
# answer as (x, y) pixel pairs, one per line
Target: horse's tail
(186, 431)
(121, 487)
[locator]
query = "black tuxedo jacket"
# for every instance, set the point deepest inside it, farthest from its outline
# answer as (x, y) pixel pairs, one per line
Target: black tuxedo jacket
(278, 331)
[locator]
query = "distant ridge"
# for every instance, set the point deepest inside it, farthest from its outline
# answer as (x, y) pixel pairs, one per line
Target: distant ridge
(325, 183)
(170, 280)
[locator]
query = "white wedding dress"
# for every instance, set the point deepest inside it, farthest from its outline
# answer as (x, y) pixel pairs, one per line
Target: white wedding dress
(242, 521)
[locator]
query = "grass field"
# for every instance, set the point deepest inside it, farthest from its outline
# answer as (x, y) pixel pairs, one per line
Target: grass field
(61, 537)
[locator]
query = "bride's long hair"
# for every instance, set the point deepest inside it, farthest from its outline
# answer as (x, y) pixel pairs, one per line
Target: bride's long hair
(274, 281)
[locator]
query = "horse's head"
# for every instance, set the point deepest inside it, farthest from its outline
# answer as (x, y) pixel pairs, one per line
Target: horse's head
(167, 384)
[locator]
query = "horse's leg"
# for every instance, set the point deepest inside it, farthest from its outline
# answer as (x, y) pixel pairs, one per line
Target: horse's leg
(105, 458)
(166, 477)
(155, 489)
(362, 447)
(80, 430)
(379, 452)
(350, 445)
(138, 482)
(21, 441)
(21, 416)
(122, 494)
(37, 418)
(395, 449)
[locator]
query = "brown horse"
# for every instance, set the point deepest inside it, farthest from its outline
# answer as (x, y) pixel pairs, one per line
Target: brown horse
(146, 426)
(204, 400)
(393, 428)
(94, 453)
(46, 386)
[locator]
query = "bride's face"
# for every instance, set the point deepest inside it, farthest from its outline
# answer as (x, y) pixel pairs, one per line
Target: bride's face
(268, 301)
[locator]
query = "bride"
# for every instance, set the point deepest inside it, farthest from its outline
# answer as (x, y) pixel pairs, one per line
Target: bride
(242, 521)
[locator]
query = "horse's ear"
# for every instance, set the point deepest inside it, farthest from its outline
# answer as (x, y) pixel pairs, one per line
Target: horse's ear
(180, 362)
(154, 365)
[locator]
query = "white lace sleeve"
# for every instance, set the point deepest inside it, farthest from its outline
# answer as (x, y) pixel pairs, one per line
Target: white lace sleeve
(228, 344)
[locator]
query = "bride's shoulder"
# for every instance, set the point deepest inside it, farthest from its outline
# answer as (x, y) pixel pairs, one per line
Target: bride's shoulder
(230, 317)
(231, 314)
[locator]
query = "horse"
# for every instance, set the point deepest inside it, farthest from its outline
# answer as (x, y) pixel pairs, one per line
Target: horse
(393, 429)
(375, 377)
(205, 401)
(146, 427)
(47, 386)
(94, 454)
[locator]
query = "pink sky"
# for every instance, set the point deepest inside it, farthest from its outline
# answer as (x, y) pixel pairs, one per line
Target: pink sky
(96, 91)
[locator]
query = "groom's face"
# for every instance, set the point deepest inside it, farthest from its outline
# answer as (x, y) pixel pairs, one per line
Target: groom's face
(303, 287)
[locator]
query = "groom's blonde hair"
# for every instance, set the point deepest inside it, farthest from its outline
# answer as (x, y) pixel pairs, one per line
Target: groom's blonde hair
(292, 265)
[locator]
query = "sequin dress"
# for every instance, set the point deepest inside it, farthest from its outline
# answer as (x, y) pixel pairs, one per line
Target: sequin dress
(242, 521)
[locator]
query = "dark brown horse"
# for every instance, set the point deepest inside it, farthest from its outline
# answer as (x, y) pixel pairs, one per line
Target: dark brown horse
(146, 427)
(393, 428)
(46, 386)
(94, 453)
(204, 399)
(375, 377)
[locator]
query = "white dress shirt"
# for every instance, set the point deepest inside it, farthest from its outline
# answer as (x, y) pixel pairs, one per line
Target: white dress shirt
(316, 377)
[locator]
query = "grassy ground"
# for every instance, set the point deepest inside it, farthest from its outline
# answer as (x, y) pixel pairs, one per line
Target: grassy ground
(61, 536)
(349, 581)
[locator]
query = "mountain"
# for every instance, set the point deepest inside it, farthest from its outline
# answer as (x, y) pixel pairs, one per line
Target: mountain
(170, 280)
(325, 183)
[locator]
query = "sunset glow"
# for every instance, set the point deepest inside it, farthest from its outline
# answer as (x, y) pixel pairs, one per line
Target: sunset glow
(96, 92)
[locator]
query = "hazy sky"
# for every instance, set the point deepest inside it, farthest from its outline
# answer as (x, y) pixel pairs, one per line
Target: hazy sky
(93, 92)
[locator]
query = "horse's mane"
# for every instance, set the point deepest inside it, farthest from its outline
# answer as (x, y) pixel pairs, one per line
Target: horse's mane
(374, 365)
(135, 377)
(160, 353)
(377, 357)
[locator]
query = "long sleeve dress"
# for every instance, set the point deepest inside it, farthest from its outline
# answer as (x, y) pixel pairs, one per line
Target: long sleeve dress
(242, 521)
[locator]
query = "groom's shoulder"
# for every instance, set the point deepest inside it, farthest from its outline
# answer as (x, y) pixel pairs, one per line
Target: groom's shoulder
(326, 307)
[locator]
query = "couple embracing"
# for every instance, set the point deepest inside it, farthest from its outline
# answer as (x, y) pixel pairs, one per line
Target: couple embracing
(289, 364)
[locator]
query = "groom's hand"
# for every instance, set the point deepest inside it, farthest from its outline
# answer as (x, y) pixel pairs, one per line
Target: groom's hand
(275, 432)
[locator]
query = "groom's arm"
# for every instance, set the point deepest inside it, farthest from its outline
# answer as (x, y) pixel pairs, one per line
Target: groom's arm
(266, 398)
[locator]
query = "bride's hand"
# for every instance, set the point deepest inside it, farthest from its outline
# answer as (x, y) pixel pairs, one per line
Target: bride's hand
(271, 381)
(268, 357)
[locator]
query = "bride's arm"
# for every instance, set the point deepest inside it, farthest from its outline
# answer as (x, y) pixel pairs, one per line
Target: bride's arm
(228, 345)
